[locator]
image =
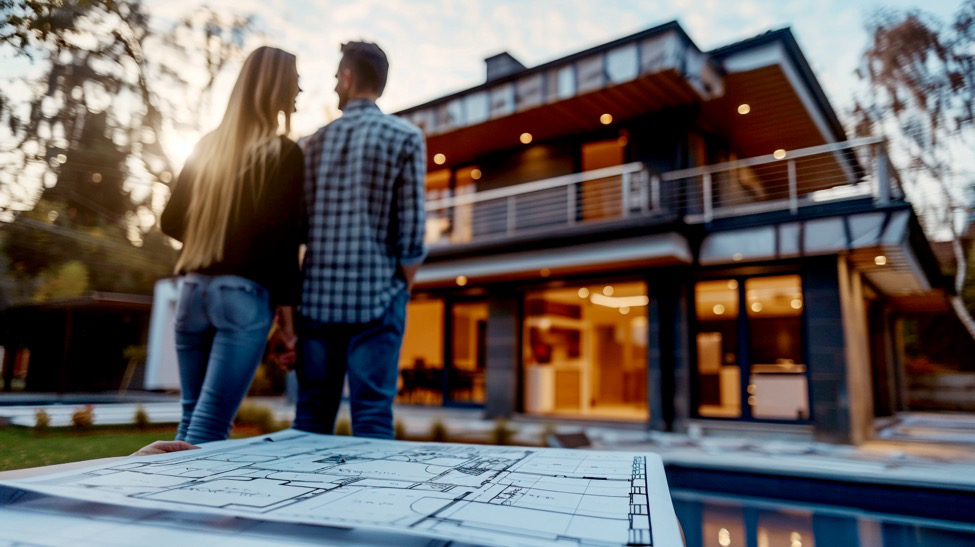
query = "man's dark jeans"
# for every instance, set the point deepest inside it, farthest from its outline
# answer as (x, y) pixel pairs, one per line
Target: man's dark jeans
(369, 353)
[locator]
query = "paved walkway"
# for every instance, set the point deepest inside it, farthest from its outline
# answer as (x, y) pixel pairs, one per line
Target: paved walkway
(892, 458)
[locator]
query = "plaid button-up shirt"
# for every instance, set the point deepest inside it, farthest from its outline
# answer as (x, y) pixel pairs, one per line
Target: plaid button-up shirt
(364, 178)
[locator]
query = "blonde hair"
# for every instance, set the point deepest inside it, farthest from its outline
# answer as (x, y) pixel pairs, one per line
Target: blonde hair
(243, 146)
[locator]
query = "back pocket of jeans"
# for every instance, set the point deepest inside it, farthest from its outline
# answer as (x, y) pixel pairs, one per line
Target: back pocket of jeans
(244, 308)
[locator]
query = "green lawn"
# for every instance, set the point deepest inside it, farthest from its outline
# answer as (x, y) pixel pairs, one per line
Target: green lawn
(22, 447)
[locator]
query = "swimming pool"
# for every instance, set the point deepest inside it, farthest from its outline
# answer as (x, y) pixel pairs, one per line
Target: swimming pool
(721, 520)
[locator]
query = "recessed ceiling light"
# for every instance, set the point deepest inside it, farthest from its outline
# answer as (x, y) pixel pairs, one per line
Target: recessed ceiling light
(526, 138)
(461, 280)
(779, 154)
(880, 260)
(718, 309)
(583, 293)
(476, 174)
(744, 108)
(439, 159)
(608, 290)
(606, 119)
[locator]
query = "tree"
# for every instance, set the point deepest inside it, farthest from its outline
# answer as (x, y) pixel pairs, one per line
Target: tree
(920, 77)
(87, 172)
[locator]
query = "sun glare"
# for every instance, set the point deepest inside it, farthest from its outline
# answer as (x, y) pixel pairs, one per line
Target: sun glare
(179, 147)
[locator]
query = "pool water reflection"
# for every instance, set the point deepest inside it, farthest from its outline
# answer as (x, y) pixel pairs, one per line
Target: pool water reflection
(711, 520)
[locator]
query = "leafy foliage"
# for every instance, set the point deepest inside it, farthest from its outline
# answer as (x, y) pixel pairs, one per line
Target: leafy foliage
(87, 172)
(919, 73)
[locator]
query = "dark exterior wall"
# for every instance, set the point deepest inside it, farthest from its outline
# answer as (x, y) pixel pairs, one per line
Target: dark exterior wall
(503, 348)
(535, 162)
(668, 365)
(658, 140)
(826, 347)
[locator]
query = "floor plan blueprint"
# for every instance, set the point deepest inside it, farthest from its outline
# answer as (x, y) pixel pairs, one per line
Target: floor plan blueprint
(479, 494)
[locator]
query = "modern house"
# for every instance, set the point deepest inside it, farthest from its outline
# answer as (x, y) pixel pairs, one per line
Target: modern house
(645, 232)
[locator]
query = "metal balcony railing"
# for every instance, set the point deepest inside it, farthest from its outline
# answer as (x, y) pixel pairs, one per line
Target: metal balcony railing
(784, 181)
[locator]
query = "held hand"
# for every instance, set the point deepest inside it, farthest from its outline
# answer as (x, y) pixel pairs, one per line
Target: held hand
(162, 447)
(282, 349)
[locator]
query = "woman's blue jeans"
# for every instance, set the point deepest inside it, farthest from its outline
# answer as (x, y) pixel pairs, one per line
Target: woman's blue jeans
(221, 328)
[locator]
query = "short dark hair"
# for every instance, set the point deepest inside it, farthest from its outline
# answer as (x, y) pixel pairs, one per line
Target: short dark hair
(368, 62)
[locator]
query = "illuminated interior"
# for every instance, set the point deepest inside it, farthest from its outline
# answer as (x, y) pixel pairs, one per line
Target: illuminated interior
(585, 351)
(777, 388)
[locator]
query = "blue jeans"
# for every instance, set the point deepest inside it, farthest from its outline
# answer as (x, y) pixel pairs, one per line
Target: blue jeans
(369, 353)
(221, 328)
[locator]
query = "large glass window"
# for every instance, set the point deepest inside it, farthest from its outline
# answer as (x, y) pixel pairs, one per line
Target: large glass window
(718, 373)
(585, 351)
(777, 388)
(771, 359)
(422, 365)
(465, 379)
(421, 360)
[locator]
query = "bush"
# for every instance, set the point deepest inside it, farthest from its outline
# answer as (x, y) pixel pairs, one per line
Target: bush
(438, 431)
(257, 415)
(547, 434)
(84, 417)
(141, 418)
(343, 427)
(42, 420)
(501, 434)
(399, 430)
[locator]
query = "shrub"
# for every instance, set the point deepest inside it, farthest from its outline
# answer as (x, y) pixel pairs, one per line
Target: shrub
(501, 434)
(141, 418)
(258, 415)
(84, 417)
(547, 434)
(343, 427)
(438, 431)
(42, 420)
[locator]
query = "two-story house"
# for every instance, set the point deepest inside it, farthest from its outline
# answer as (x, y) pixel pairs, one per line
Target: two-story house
(647, 232)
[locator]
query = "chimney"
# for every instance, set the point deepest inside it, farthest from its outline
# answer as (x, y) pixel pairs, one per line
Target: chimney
(501, 65)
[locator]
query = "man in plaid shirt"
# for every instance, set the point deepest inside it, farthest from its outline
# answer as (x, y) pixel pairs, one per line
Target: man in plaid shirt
(364, 177)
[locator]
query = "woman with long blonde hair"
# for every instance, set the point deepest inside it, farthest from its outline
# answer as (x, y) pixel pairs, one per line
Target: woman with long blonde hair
(236, 208)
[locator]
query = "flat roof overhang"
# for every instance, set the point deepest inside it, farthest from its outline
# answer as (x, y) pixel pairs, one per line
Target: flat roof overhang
(575, 115)
(876, 243)
(644, 251)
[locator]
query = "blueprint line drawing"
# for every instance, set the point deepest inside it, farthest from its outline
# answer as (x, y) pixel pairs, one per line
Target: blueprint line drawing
(495, 495)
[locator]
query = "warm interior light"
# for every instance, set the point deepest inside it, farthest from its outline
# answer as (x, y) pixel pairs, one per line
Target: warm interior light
(606, 119)
(583, 293)
(718, 309)
(608, 290)
(545, 272)
(880, 260)
(778, 154)
(737, 257)
(744, 108)
(476, 174)
(757, 307)
(526, 138)
(461, 280)
(733, 284)
(624, 310)
(439, 159)
(619, 301)
(796, 304)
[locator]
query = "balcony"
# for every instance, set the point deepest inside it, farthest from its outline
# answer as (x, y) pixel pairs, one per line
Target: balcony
(785, 181)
